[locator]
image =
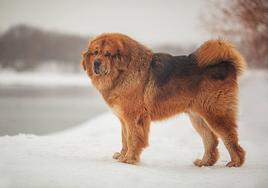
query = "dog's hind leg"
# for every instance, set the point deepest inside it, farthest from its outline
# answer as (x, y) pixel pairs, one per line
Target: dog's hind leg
(209, 139)
(226, 128)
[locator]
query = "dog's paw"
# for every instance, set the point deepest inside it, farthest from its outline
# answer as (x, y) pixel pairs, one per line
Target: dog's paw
(116, 155)
(128, 160)
(200, 163)
(234, 164)
(239, 160)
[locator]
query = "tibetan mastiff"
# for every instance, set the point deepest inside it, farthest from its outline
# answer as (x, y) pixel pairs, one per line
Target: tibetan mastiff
(141, 86)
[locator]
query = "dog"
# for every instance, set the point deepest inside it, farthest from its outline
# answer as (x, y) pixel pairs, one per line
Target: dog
(141, 86)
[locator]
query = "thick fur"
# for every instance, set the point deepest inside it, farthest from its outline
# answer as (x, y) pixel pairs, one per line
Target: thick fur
(141, 86)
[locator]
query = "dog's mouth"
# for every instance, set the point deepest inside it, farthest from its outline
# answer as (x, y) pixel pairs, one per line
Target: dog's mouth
(96, 71)
(100, 71)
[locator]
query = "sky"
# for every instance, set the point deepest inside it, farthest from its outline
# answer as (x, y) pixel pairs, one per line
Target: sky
(149, 21)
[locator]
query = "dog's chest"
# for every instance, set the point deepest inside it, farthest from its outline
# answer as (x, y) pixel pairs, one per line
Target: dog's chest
(114, 103)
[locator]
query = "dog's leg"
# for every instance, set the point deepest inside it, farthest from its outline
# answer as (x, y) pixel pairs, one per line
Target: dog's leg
(209, 139)
(137, 129)
(122, 153)
(226, 128)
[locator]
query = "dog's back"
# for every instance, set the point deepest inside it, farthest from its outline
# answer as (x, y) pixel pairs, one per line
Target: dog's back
(205, 77)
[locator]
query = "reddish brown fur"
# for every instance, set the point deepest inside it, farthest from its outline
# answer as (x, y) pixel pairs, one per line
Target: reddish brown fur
(213, 50)
(141, 87)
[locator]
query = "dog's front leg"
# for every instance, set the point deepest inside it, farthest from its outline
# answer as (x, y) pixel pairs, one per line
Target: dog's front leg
(137, 130)
(120, 155)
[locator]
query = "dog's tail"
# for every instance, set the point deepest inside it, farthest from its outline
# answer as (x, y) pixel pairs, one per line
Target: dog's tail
(217, 51)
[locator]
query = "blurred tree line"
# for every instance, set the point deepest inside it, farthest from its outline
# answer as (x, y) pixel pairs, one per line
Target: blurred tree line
(244, 22)
(23, 47)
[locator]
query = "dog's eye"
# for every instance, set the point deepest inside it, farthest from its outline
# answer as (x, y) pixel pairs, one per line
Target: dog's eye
(95, 52)
(108, 54)
(118, 56)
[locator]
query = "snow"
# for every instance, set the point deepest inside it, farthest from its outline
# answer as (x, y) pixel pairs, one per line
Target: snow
(82, 156)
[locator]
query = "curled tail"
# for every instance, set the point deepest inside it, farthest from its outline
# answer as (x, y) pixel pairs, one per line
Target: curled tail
(216, 51)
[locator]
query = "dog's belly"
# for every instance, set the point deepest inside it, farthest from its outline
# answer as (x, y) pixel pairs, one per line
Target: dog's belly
(166, 109)
(167, 102)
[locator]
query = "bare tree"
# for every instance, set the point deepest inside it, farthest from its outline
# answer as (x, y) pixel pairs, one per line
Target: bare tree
(243, 21)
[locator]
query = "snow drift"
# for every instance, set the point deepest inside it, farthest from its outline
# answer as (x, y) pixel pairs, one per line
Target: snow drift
(82, 157)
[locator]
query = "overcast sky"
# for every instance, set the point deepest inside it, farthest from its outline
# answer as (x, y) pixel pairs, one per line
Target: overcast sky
(150, 21)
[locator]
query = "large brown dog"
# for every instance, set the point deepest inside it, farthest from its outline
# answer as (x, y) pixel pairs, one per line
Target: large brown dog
(141, 86)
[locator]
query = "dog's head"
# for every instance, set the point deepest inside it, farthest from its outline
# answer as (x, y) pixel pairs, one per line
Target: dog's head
(106, 58)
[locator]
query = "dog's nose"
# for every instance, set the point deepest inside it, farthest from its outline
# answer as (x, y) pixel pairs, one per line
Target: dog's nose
(97, 64)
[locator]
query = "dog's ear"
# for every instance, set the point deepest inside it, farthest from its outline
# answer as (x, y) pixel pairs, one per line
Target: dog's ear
(124, 51)
(83, 63)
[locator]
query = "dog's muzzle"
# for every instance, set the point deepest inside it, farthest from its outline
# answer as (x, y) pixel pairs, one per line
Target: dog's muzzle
(97, 65)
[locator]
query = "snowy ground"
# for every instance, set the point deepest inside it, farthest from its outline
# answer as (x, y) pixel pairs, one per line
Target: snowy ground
(82, 157)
